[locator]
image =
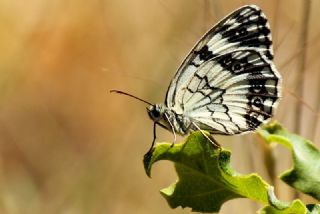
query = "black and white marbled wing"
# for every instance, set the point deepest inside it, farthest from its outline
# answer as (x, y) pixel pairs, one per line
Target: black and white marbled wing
(232, 93)
(245, 28)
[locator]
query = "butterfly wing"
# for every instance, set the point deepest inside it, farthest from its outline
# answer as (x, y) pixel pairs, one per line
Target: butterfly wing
(232, 93)
(228, 83)
(246, 27)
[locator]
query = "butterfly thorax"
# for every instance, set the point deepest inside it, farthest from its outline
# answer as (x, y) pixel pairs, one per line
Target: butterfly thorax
(170, 119)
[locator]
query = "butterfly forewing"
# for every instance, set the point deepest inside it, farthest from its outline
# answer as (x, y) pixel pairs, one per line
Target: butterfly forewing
(228, 83)
(246, 27)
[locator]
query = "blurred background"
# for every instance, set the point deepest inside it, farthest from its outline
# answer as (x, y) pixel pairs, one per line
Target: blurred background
(68, 146)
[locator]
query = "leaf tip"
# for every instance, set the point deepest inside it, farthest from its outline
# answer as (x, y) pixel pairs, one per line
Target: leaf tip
(147, 162)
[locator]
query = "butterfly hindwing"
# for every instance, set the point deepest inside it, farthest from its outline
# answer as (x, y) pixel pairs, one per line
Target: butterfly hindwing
(232, 93)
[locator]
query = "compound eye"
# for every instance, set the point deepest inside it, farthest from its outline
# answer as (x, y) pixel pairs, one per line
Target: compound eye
(155, 113)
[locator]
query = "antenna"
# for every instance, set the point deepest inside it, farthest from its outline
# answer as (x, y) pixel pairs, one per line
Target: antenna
(130, 95)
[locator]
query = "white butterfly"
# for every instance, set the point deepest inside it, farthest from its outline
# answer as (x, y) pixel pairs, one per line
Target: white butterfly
(227, 84)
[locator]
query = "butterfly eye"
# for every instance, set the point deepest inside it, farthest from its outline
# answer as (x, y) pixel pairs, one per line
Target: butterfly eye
(155, 113)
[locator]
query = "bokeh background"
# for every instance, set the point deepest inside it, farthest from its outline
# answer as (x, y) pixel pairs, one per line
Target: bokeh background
(69, 146)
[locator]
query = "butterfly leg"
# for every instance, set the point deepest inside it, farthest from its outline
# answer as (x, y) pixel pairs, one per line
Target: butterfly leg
(154, 137)
(147, 157)
(210, 138)
(174, 138)
(173, 131)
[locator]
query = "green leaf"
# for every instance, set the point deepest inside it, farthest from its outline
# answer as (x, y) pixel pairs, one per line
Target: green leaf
(296, 207)
(206, 179)
(305, 173)
(278, 207)
(313, 208)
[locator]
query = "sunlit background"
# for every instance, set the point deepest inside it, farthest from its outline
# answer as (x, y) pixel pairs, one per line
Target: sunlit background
(69, 146)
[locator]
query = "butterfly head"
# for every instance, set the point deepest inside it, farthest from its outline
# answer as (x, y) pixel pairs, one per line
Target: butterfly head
(161, 115)
(156, 112)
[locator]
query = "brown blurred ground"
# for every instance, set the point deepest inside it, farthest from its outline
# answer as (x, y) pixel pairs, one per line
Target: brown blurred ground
(68, 146)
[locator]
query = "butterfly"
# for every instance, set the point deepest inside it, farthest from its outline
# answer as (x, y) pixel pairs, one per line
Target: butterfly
(228, 83)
